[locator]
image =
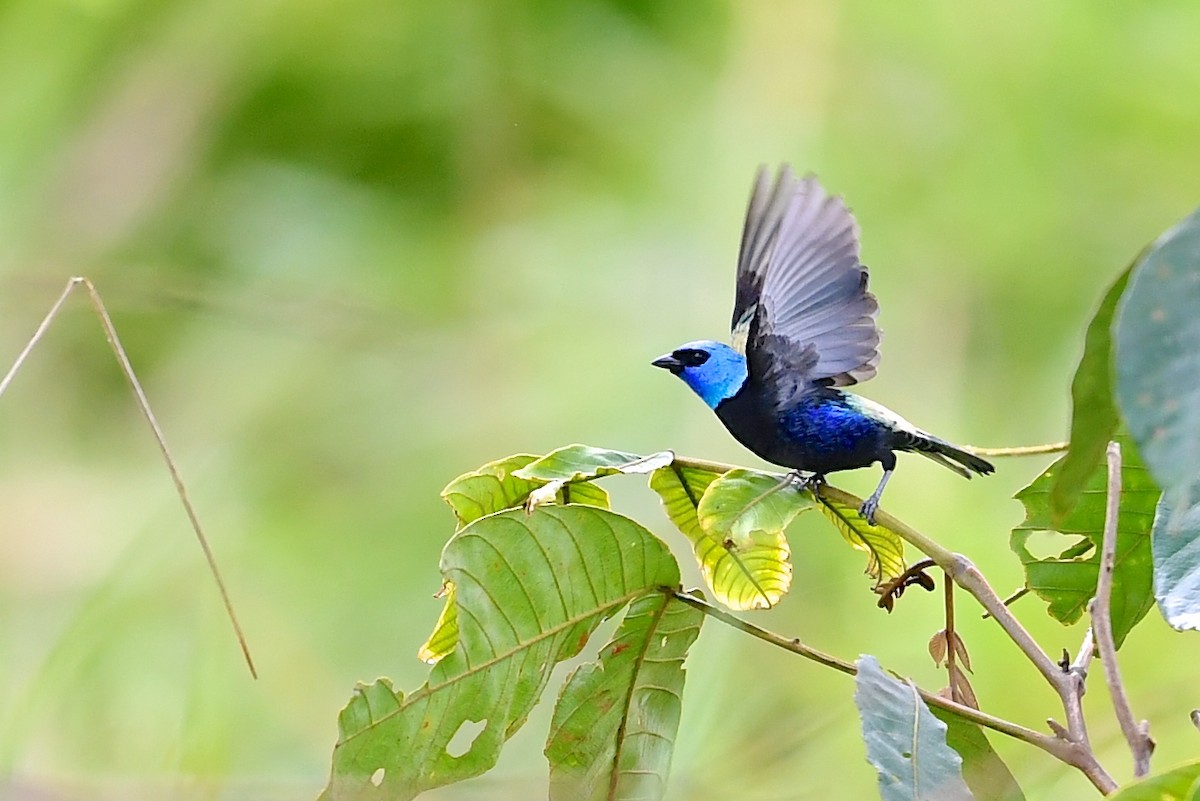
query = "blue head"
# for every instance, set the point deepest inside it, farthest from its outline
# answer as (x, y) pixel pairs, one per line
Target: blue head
(714, 371)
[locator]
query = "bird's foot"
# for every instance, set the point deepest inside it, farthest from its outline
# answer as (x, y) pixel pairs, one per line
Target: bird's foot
(868, 509)
(810, 482)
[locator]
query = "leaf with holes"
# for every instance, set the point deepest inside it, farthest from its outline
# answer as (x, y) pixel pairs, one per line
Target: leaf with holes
(569, 471)
(529, 591)
(615, 722)
(905, 742)
(1068, 581)
(498, 486)
(742, 551)
(1094, 415)
(884, 548)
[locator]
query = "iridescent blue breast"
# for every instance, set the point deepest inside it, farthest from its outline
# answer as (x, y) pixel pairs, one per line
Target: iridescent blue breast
(827, 427)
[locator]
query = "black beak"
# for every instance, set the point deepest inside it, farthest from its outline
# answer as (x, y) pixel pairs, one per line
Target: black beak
(669, 362)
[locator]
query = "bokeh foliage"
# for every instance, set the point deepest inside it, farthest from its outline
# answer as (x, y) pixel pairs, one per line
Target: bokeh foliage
(356, 247)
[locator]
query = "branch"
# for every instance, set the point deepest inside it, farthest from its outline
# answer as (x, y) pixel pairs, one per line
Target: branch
(957, 566)
(1137, 735)
(1052, 745)
(1066, 684)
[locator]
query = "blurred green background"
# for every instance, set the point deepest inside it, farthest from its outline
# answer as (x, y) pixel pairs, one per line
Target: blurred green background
(356, 248)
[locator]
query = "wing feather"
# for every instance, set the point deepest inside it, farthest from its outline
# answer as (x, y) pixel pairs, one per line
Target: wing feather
(803, 313)
(769, 204)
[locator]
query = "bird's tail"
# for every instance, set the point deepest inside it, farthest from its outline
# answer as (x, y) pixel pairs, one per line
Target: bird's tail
(951, 456)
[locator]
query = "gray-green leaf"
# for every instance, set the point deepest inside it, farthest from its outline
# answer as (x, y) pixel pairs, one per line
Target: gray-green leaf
(1158, 356)
(1176, 542)
(905, 742)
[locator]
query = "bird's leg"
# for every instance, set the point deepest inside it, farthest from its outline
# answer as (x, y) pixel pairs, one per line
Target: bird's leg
(871, 505)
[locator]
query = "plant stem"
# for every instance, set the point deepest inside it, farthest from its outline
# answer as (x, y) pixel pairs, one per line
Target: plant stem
(1020, 450)
(1138, 736)
(1052, 745)
(951, 637)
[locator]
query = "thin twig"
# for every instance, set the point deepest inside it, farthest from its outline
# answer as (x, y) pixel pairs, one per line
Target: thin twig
(1020, 450)
(114, 343)
(1138, 736)
(1016, 595)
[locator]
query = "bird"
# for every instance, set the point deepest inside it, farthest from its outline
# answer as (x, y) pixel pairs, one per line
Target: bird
(804, 326)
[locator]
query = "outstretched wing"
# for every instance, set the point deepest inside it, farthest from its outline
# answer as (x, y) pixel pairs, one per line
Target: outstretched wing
(803, 315)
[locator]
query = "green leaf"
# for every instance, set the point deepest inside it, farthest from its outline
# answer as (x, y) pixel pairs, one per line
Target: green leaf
(614, 726)
(583, 462)
(884, 548)
(1094, 415)
(1157, 340)
(1174, 785)
(529, 590)
(445, 631)
(983, 770)
(1067, 582)
(905, 742)
(492, 488)
(743, 552)
(1176, 542)
(568, 472)
(498, 486)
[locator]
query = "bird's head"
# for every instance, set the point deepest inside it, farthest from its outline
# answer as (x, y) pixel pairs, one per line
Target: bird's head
(713, 370)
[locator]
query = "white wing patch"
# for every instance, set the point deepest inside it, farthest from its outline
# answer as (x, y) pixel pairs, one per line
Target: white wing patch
(741, 329)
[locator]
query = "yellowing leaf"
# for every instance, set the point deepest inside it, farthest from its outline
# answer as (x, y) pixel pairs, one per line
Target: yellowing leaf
(445, 633)
(742, 549)
(884, 548)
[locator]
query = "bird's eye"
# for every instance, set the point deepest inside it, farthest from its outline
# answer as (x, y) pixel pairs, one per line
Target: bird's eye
(692, 358)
